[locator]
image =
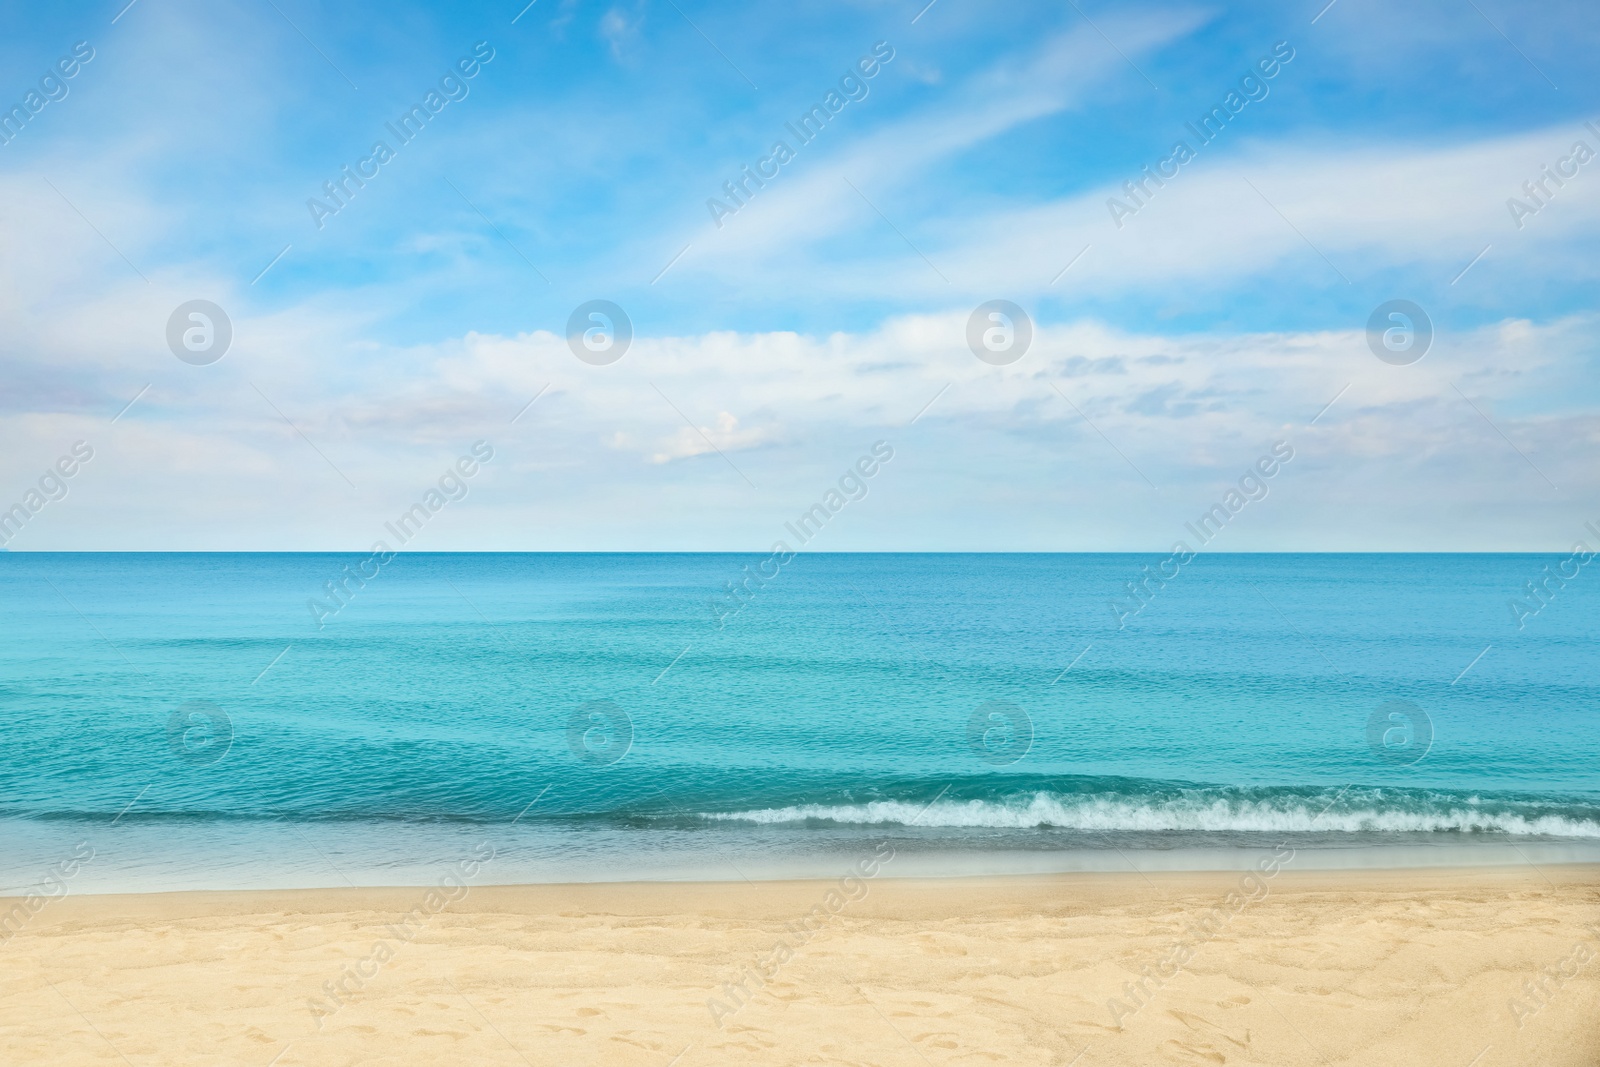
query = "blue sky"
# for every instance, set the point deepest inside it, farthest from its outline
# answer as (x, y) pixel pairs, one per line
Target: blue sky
(827, 312)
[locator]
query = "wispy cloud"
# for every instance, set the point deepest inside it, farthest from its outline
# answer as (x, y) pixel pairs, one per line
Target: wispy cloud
(1227, 311)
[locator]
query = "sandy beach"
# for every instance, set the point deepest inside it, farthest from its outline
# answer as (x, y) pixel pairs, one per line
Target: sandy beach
(1448, 968)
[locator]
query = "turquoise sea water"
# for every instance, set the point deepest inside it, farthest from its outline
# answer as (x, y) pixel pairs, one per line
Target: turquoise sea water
(608, 716)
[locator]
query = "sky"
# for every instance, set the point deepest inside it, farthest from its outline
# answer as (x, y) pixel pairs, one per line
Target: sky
(1178, 331)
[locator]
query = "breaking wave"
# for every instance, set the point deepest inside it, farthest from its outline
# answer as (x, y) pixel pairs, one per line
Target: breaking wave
(1215, 810)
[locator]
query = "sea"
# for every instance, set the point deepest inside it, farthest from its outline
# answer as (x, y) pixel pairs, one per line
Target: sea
(244, 720)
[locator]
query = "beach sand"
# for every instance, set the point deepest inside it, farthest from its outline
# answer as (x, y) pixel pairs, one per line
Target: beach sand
(1410, 968)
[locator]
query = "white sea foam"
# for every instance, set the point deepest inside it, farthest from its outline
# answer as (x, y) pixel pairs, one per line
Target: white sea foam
(1282, 815)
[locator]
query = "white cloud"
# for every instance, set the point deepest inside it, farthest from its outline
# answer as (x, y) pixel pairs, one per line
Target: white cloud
(1049, 453)
(1366, 208)
(810, 201)
(724, 437)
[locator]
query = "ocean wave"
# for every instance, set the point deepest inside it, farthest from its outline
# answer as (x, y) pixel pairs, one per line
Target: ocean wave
(1406, 814)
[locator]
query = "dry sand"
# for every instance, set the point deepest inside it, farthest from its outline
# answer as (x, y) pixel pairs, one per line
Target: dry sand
(1375, 968)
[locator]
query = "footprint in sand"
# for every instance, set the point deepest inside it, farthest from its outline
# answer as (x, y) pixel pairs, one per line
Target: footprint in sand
(1194, 1050)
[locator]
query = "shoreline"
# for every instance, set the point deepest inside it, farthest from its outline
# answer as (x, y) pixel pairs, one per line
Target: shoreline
(1300, 968)
(1306, 879)
(121, 868)
(1303, 879)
